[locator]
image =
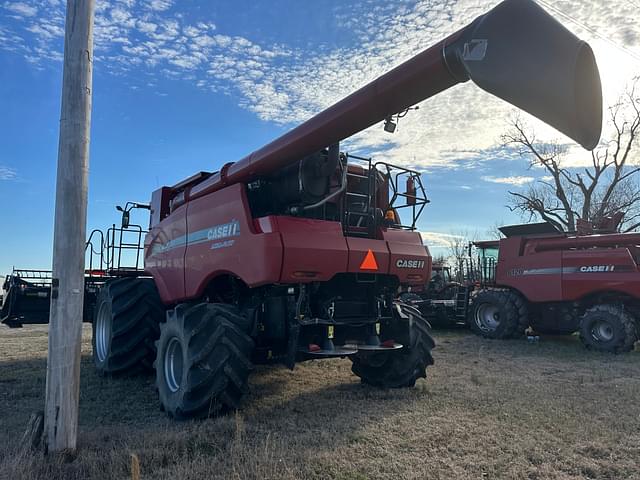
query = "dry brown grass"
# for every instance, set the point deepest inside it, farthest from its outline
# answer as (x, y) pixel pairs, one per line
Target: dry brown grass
(489, 409)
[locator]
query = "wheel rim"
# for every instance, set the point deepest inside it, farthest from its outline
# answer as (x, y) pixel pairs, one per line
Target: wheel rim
(487, 317)
(602, 331)
(103, 331)
(173, 364)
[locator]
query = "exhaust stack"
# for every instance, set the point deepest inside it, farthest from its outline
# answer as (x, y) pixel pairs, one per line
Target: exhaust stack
(516, 51)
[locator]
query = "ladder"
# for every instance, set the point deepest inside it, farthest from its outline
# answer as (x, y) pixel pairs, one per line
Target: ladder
(358, 217)
(462, 302)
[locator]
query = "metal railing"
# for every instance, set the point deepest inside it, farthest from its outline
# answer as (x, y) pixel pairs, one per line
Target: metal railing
(36, 278)
(119, 250)
(128, 248)
(415, 201)
(361, 211)
(95, 253)
(478, 270)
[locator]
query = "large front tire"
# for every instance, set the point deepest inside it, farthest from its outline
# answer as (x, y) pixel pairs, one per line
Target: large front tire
(203, 360)
(398, 368)
(608, 328)
(498, 314)
(126, 324)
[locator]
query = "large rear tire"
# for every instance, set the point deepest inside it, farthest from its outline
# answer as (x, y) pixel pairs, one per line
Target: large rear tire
(126, 324)
(498, 314)
(399, 368)
(203, 360)
(608, 328)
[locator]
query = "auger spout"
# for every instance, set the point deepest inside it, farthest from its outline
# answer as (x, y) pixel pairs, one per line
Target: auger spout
(516, 51)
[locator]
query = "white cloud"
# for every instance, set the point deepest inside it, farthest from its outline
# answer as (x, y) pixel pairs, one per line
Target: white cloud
(7, 173)
(438, 239)
(21, 8)
(147, 27)
(513, 180)
(160, 5)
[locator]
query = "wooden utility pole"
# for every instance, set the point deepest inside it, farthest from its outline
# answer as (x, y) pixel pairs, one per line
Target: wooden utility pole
(67, 290)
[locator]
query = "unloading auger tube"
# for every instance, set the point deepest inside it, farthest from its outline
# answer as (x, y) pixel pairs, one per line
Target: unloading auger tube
(516, 51)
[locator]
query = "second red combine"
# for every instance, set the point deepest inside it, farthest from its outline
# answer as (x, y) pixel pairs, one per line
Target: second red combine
(298, 250)
(559, 283)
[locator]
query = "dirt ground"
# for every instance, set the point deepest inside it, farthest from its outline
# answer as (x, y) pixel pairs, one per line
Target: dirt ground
(488, 409)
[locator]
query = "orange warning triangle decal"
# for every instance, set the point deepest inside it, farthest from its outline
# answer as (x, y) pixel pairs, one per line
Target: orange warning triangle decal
(369, 262)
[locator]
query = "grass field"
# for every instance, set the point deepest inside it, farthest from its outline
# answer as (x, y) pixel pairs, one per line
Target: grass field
(488, 409)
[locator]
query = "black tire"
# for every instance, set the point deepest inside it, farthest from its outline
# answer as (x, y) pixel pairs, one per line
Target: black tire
(496, 313)
(608, 328)
(400, 368)
(203, 360)
(126, 324)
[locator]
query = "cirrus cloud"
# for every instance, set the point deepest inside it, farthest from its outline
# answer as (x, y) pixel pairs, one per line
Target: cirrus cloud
(7, 173)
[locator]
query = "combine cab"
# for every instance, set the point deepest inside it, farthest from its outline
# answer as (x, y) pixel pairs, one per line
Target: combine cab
(558, 283)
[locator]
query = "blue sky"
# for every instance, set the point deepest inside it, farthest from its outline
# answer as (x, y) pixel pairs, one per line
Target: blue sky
(183, 86)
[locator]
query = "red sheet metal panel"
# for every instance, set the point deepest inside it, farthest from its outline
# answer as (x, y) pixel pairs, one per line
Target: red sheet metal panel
(314, 250)
(164, 254)
(410, 261)
(222, 240)
(358, 250)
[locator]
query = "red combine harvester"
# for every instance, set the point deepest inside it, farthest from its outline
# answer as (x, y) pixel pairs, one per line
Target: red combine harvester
(559, 284)
(298, 251)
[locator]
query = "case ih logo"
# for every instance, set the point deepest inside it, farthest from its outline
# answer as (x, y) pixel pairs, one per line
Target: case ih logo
(226, 230)
(597, 268)
(516, 272)
(404, 263)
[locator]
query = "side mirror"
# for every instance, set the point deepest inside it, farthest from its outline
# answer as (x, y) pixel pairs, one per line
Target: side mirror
(411, 191)
(125, 219)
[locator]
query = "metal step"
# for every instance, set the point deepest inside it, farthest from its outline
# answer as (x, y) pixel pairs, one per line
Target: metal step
(357, 175)
(355, 194)
(376, 348)
(334, 352)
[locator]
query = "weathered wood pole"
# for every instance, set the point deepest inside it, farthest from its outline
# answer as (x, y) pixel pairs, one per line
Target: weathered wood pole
(67, 292)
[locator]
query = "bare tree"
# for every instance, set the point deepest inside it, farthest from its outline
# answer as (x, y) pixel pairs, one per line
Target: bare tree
(459, 251)
(440, 259)
(594, 193)
(493, 232)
